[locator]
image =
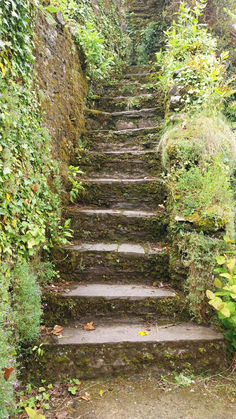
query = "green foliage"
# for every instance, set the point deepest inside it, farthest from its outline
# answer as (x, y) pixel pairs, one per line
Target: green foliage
(100, 61)
(198, 149)
(76, 186)
(150, 42)
(190, 70)
(224, 298)
(26, 304)
(198, 253)
(7, 349)
(99, 34)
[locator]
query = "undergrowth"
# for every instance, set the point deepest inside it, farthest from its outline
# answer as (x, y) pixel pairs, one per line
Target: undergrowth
(198, 149)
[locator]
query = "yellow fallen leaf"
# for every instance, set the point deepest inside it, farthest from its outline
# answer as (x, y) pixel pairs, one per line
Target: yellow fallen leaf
(8, 196)
(101, 392)
(13, 223)
(143, 333)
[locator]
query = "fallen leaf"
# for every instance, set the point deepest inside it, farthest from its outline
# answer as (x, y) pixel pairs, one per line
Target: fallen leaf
(8, 196)
(86, 397)
(101, 392)
(34, 188)
(143, 333)
(89, 326)
(7, 372)
(43, 327)
(57, 330)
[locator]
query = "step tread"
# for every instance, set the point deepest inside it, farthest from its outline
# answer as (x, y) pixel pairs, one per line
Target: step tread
(122, 180)
(126, 213)
(137, 249)
(114, 291)
(134, 152)
(120, 333)
(125, 131)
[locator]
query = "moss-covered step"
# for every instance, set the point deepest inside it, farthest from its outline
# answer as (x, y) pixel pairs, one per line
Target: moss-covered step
(126, 88)
(102, 261)
(122, 163)
(131, 119)
(125, 103)
(134, 69)
(137, 193)
(139, 138)
(125, 348)
(84, 301)
(109, 225)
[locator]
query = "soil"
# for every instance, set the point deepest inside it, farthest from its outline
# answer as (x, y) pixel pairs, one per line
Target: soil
(148, 397)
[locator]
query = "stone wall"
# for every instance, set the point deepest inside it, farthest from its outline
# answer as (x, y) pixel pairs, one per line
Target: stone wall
(62, 85)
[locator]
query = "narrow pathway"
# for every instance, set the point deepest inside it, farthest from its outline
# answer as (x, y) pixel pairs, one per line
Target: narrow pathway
(118, 262)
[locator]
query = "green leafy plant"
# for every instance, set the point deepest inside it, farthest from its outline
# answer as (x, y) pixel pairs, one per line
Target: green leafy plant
(76, 186)
(224, 298)
(190, 70)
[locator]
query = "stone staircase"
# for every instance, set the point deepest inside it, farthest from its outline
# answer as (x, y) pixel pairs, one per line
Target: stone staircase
(116, 270)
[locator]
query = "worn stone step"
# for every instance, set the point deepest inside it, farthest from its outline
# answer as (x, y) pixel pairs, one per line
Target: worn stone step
(127, 87)
(121, 163)
(93, 224)
(115, 349)
(113, 300)
(133, 69)
(104, 261)
(123, 120)
(124, 103)
(130, 193)
(139, 138)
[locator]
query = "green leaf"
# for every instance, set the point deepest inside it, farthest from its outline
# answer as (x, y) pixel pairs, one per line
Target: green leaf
(210, 295)
(52, 9)
(220, 260)
(218, 283)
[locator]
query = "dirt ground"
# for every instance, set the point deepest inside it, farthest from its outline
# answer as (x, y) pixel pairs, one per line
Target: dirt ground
(149, 397)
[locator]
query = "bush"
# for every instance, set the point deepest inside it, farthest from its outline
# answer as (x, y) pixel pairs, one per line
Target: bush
(26, 303)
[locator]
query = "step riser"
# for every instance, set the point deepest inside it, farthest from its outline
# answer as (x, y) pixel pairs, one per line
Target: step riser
(100, 266)
(121, 123)
(128, 164)
(69, 309)
(127, 89)
(92, 361)
(145, 196)
(114, 105)
(112, 228)
(145, 139)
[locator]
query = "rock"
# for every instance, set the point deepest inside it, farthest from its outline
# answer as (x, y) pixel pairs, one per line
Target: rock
(60, 18)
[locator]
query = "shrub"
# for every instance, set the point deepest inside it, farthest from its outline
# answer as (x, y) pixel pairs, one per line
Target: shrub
(26, 303)
(224, 298)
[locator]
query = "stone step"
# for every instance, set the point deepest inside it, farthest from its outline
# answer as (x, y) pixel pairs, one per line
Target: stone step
(113, 300)
(127, 262)
(121, 163)
(127, 87)
(109, 225)
(139, 138)
(133, 69)
(124, 103)
(130, 193)
(119, 348)
(123, 120)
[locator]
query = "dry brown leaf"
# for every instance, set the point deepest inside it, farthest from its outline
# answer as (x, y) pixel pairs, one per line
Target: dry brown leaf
(86, 396)
(57, 330)
(89, 326)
